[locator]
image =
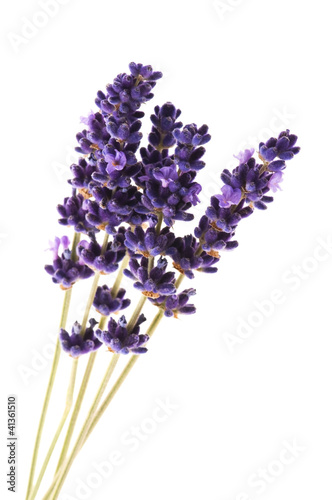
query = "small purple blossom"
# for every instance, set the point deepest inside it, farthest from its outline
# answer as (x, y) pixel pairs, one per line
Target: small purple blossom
(73, 214)
(105, 303)
(119, 340)
(151, 283)
(55, 245)
(90, 253)
(164, 123)
(229, 196)
(65, 271)
(115, 162)
(165, 175)
(187, 257)
(86, 119)
(148, 243)
(274, 182)
(82, 175)
(176, 304)
(245, 155)
(189, 150)
(283, 147)
(77, 344)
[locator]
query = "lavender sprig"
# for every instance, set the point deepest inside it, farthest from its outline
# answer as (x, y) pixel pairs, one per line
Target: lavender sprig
(126, 192)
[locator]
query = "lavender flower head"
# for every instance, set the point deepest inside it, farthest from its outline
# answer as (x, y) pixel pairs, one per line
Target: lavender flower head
(246, 188)
(122, 188)
(65, 271)
(90, 253)
(118, 339)
(152, 283)
(105, 303)
(77, 344)
(176, 304)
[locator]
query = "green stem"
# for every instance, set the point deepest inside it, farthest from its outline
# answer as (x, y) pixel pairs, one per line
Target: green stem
(89, 302)
(136, 313)
(152, 328)
(150, 264)
(159, 223)
(63, 321)
(179, 280)
(53, 492)
(91, 422)
(79, 400)
(77, 408)
(69, 402)
(89, 367)
(117, 282)
(62, 473)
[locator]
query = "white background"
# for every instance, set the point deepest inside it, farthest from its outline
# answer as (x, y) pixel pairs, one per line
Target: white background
(248, 69)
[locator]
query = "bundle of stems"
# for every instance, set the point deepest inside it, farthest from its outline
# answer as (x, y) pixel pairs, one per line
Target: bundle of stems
(98, 406)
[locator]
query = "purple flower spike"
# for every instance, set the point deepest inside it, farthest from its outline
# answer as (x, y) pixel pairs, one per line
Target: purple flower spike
(152, 283)
(283, 147)
(73, 214)
(189, 150)
(165, 189)
(254, 181)
(82, 175)
(76, 344)
(105, 304)
(90, 254)
(148, 243)
(65, 271)
(164, 121)
(176, 304)
(185, 259)
(118, 339)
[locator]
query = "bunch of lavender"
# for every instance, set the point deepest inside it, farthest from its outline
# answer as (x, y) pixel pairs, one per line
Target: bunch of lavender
(123, 209)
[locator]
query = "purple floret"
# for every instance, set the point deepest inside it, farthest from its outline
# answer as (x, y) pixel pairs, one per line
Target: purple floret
(106, 304)
(119, 340)
(73, 214)
(283, 147)
(65, 271)
(148, 242)
(151, 283)
(76, 344)
(189, 150)
(90, 253)
(176, 304)
(187, 257)
(164, 123)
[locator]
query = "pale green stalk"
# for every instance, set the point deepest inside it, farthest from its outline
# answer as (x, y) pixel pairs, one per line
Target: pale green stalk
(117, 282)
(135, 315)
(179, 280)
(153, 326)
(77, 408)
(95, 416)
(62, 474)
(69, 402)
(70, 388)
(86, 377)
(63, 321)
